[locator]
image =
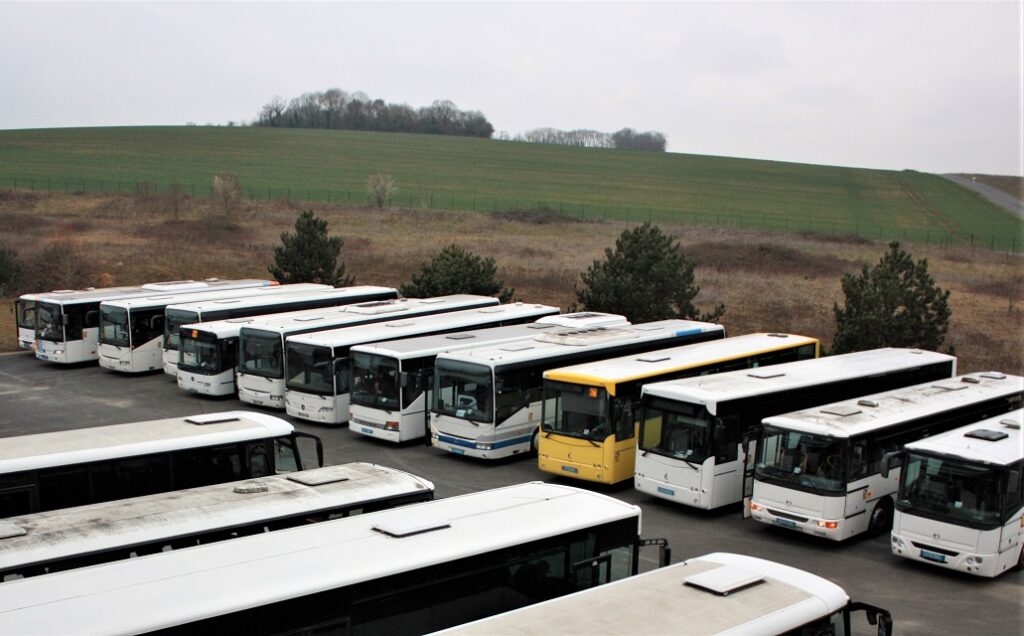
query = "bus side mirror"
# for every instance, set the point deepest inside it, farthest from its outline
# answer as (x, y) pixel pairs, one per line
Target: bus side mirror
(403, 379)
(92, 318)
(889, 461)
(876, 616)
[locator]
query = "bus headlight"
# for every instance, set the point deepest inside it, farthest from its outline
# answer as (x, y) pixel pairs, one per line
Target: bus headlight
(898, 541)
(483, 446)
(756, 507)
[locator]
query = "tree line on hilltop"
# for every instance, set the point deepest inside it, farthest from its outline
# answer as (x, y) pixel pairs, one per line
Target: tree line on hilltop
(625, 139)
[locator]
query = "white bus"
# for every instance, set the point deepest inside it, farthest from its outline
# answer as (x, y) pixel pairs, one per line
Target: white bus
(25, 319)
(398, 412)
(487, 402)
(298, 297)
(717, 593)
(132, 329)
(961, 498)
(409, 570)
(690, 447)
(67, 321)
(57, 540)
(318, 369)
(261, 380)
(818, 471)
(47, 471)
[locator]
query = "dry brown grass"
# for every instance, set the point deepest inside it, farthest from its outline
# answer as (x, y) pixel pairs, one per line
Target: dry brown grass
(768, 281)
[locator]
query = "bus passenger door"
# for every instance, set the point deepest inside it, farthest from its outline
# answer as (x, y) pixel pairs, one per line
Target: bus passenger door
(591, 572)
(749, 448)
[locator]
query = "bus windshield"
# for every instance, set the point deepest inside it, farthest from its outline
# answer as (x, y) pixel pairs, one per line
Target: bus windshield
(26, 311)
(578, 411)
(261, 354)
(114, 326)
(463, 390)
(175, 318)
(802, 461)
(375, 381)
(310, 369)
(199, 353)
(48, 325)
(679, 430)
(953, 491)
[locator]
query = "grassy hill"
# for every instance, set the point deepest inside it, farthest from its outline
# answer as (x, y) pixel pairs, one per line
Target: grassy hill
(460, 173)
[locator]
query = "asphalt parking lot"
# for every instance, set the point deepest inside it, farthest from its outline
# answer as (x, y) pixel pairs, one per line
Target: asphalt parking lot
(37, 397)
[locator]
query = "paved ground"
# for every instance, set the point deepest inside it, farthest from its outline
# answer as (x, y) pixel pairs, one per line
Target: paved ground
(995, 195)
(35, 397)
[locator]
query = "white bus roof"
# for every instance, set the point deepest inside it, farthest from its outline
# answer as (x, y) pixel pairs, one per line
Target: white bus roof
(880, 410)
(587, 320)
(172, 588)
(251, 288)
(712, 390)
(61, 534)
(762, 597)
(71, 296)
(609, 373)
(555, 344)
(414, 325)
(439, 343)
(97, 443)
(1000, 441)
(333, 317)
(279, 293)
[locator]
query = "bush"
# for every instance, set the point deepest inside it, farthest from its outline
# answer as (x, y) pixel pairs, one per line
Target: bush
(380, 187)
(894, 304)
(456, 271)
(10, 271)
(309, 255)
(646, 278)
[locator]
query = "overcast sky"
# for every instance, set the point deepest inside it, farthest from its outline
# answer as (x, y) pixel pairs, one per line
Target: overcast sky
(922, 85)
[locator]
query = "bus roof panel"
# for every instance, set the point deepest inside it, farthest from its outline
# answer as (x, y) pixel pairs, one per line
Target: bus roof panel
(391, 330)
(610, 373)
(217, 578)
(59, 534)
(867, 413)
(955, 443)
(74, 296)
(75, 446)
(660, 602)
(439, 343)
(714, 389)
(162, 300)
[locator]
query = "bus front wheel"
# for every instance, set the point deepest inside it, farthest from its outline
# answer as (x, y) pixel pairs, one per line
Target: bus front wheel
(533, 442)
(881, 517)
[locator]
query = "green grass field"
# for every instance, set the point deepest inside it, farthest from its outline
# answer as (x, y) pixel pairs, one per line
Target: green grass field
(451, 172)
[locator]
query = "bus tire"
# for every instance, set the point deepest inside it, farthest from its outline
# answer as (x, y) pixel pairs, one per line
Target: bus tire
(533, 442)
(881, 517)
(1020, 560)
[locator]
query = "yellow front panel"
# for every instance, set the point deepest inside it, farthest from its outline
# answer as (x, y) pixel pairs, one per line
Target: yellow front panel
(609, 462)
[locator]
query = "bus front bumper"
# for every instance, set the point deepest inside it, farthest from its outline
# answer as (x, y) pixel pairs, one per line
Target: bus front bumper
(480, 450)
(968, 562)
(685, 495)
(833, 529)
(576, 470)
(260, 398)
(387, 431)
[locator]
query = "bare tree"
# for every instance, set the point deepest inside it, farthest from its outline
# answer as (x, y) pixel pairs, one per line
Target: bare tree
(380, 187)
(227, 194)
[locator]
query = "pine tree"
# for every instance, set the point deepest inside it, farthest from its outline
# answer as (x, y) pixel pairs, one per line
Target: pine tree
(455, 270)
(310, 255)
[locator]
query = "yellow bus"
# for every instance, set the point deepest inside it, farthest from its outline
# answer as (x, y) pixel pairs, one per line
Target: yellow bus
(588, 428)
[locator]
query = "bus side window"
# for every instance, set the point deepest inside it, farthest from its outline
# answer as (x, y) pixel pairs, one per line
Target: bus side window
(623, 420)
(1014, 490)
(259, 463)
(15, 501)
(726, 438)
(63, 487)
(284, 455)
(860, 459)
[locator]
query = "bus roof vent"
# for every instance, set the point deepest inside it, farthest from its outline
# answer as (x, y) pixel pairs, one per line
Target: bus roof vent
(865, 402)
(309, 318)
(970, 380)
(400, 323)
(987, 435)
(211, 418)
(238, 320)
(496, 309)
(251, 488)
(410, 526)
(950, 386)
(175, 285)
(648, 327)
(583, 337)
(842, 410)
(766, 373)
(321, 476)
(522, 346)
(374, 308)
(9, 530)
(431, 301)
(63, 291)
(1008, 423)
(724, 580)
(993, 375)
(778, 335)
(233, 301)
(540, 325)
(653, 358)
(460, 336)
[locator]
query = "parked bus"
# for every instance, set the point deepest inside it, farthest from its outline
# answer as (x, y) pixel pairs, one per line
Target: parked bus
(296, 297)
(261, 373)
(318, 368)
(47, 471)
(99, 533)
(487, 402)
(590, 420)
(410, 570)
(132, 329)
(690, 446)
(400, 413)
(961, 498)
(818, 471)
(67, 322)
(25, 319)
(717, 593)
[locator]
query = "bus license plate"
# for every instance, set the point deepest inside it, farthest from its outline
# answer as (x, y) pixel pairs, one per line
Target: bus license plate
(786, 523)
(368, 431)
(933, 556)
(458, 451)
(570, 469)
(666, 491)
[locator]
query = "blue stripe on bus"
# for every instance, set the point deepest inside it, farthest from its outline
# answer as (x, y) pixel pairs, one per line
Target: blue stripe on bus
(689, 332)
(494, 445)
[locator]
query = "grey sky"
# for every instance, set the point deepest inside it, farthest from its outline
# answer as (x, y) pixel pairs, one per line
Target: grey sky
(922, 85)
